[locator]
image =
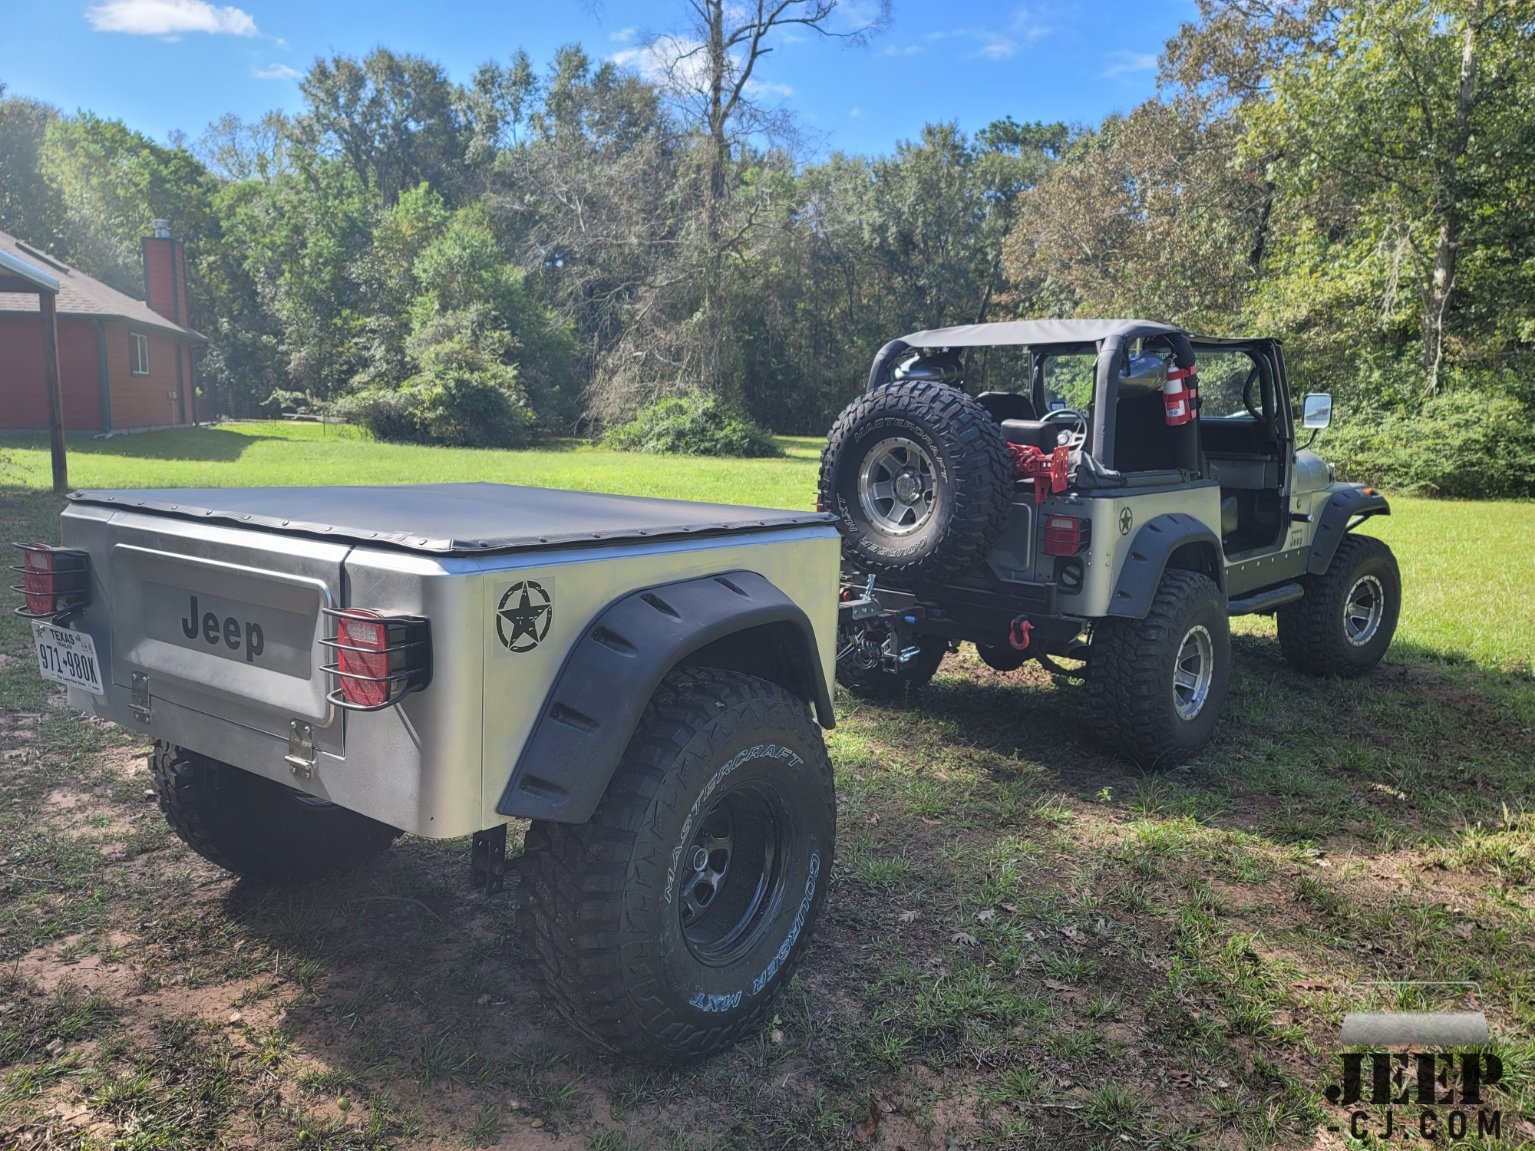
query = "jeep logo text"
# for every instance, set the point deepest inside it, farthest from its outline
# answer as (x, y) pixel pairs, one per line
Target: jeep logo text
(229, 631)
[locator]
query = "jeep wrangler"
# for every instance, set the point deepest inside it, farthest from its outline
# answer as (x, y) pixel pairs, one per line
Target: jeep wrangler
(1140, 486)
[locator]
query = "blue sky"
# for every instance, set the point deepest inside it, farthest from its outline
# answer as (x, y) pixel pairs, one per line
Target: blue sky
(163, 65)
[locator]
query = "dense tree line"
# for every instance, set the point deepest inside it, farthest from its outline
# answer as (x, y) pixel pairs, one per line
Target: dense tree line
(549, 250)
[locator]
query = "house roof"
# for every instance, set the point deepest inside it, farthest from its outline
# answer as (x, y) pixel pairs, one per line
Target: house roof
(78, 294)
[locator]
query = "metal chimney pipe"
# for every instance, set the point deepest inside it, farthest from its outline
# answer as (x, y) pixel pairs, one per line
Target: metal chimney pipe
(162, 229)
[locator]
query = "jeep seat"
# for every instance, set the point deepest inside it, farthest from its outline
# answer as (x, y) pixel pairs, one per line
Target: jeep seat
(1036, 432)
(1006, 405)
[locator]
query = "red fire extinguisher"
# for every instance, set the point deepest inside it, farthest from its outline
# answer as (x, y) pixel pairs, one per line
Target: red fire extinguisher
(1179, 397)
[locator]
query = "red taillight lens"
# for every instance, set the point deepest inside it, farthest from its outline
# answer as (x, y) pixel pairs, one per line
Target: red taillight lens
(362, 662)
(379, 659)
(37, 580)
(54, 581)
(1066, 535)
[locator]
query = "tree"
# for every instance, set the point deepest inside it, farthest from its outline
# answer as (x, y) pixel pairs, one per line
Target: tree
(394, 120)
(28, 204)
(1397, 113)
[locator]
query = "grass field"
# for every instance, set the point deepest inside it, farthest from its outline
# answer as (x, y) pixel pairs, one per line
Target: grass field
(1028, 943)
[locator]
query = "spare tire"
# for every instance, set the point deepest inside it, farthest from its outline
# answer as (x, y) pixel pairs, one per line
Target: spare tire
(921, 480)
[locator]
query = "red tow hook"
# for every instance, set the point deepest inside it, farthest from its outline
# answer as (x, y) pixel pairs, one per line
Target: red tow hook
(1018, 633)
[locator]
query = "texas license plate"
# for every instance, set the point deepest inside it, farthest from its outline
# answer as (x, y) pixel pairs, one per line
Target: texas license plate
(67, 657)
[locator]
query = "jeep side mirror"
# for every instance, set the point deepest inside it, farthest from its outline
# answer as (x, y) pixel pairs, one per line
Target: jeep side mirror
(1316, 410)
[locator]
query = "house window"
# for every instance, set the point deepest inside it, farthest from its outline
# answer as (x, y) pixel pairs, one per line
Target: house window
(140, 354)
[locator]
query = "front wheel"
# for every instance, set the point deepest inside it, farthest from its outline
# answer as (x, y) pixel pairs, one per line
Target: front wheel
(258, 828)
(1157, 684)
(1346, 620)
(663, 927)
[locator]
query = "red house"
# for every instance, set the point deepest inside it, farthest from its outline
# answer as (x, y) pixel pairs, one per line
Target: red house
(123, 363)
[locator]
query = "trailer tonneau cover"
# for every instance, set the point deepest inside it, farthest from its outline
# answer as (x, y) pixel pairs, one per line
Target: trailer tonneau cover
(448, 518)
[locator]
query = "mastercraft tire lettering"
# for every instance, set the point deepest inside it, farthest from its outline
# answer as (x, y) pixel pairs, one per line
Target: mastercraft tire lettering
(664, 926)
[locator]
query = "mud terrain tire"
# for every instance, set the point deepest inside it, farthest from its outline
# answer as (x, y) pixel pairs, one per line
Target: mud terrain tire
(255, 827)
(920, 479)
(663, 927)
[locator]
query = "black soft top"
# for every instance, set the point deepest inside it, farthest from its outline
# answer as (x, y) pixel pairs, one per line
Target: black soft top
(1032, 332)
(452, 518)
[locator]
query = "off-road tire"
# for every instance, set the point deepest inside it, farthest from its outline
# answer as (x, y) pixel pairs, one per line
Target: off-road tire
(601, 914)
(1313, 633)
(1131, 665)
(257, 828)
(973, 481)
(880, 684)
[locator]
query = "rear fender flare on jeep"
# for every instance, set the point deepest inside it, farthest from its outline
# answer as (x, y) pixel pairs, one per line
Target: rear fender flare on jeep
(1170, 540)
(1336, 520)
(737, 621)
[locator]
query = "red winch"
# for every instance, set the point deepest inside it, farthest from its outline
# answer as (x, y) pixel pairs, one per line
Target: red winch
(1050, 471)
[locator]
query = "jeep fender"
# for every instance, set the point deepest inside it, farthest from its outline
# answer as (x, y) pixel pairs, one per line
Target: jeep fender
(736, 620)
(1172, 539)
(1337, 520)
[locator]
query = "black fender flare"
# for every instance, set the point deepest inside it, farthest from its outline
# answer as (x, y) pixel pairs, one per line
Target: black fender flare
(1158, 541)
(1337, 519)
(738, 620)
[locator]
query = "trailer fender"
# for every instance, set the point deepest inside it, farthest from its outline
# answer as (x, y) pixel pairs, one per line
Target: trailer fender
(737, 620)
(1337, 519)
(1170, 540)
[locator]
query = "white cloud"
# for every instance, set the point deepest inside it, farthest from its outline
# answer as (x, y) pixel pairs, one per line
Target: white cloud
(169, 18)
(622, 36)
(680, 64)
(276, 72)
(855, 113)
(900, 49)
(756, 87)
(1123, 64)
(997, 47)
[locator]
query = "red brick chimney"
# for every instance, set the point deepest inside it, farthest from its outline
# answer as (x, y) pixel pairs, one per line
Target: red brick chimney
(165, 274)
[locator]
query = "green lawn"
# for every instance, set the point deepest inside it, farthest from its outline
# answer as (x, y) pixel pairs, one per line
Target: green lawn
(1028, 944)
(288, 453)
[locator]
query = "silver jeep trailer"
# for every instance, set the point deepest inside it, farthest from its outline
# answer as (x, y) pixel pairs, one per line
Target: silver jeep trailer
(323, 668)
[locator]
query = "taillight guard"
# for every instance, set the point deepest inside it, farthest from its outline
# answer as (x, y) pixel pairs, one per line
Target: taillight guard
(55, 582)
(380, 659)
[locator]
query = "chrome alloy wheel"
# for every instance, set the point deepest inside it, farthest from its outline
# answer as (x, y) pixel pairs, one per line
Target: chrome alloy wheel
(896, 486)
(1363, 610)
(1193, 672)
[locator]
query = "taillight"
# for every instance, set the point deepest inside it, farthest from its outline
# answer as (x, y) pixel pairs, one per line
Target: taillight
(54, 581)
(380, 659)
(1066, 535)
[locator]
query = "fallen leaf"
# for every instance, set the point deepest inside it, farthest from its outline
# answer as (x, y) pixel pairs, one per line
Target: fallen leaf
(986, 915)
(931, 822)
(1073, 933)
(1310, 985)
(874, 818)
(866, 1130)
(963, 938)
(906, 917)
(1056, 985)
(235, 1017)
(1010, 908)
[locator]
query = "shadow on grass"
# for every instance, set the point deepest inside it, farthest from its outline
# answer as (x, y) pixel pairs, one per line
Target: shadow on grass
(1410, 753)
(191, 443)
